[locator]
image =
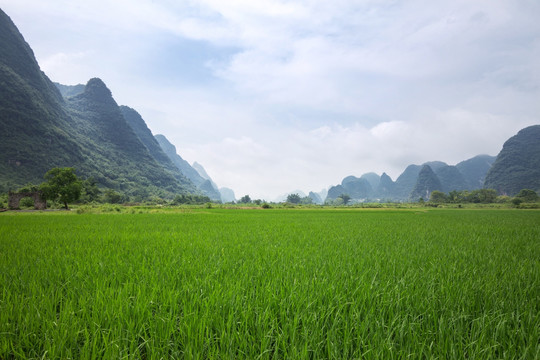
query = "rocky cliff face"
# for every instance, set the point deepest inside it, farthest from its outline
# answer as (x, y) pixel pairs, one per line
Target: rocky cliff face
(426, 183)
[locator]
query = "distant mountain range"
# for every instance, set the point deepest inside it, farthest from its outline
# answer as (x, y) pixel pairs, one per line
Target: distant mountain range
(516, 167)
(417, 181)
(45, 125)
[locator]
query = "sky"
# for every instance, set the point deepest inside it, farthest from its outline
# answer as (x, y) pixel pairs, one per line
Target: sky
(275, 96)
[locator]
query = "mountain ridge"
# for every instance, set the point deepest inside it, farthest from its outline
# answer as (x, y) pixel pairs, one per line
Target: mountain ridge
(408, 187)
(41, 129)
(517, 165)
(203, 184)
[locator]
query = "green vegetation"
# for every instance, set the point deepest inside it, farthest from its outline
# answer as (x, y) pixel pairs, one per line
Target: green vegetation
(426, 183)
(526, 198)
(246, 199)
(271, 284)
(62, 184)
(527, 195)
(518, 164)
(136, 122)
(190, 199)
(483, 196)
(40, 130)
(3, 201)
(34, 129)
(297, 199)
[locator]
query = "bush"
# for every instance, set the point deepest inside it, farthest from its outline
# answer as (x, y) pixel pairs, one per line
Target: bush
(82, 210)
(3, 201)
(294, 198)
(190, 199)
(245, 199)
(26, 202)
(517, 201)
(112, 197)
(438, 197)
(527, 195)
(529, 206)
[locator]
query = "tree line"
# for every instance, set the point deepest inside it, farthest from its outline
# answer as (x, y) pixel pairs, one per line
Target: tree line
(62, 185)
(481, 196)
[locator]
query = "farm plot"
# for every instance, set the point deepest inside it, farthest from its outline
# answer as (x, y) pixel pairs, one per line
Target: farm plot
(271, 284)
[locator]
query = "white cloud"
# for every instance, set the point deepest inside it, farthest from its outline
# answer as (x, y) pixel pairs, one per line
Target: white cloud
(67, 63)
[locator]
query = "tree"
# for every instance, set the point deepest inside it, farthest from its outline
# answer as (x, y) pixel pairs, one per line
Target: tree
(517, 201)
(90, 191)
(112, 197)
(245, 199)
(294, 198)
(485, 196)
(438, 197)
(306, 200)
(345, 198)
(62, 184)
(527, 195)
(456, 196)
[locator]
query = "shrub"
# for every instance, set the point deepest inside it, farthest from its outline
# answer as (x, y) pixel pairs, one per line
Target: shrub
(527, 195)
(26, 202)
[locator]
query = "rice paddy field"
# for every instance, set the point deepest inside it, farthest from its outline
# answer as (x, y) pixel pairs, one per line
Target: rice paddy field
(271, 284)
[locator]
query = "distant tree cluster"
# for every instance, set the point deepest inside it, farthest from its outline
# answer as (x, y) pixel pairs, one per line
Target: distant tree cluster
(342, 199)
(63, 186)
(246, 199)
(483, 196)
(297, 199)
(190, 199)
(525, 196)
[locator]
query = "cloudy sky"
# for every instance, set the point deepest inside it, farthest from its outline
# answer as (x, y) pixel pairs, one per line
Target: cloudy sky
(273, 96)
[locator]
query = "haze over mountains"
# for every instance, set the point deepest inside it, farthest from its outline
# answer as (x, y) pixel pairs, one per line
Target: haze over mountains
(417, 181)
(45, 125)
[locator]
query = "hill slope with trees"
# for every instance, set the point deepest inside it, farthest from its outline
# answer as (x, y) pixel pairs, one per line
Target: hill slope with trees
(35, 135)
(86, 130)
(518, 164)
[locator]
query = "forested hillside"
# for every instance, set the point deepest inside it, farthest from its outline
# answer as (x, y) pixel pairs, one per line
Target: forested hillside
(518, 164)
(87, 130)
(35, 133)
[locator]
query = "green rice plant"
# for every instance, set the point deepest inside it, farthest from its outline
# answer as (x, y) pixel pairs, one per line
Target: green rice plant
(271, 284)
